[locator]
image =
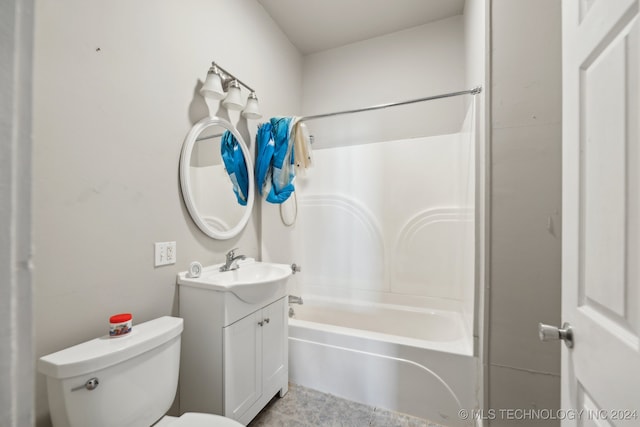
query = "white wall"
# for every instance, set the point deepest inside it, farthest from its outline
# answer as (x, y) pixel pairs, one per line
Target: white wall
(474, 41)
(16, 291)
(526, 195)
(421, 61)
(115, 94)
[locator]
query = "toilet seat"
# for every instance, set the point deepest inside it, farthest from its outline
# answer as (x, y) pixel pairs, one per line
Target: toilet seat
(194, 419)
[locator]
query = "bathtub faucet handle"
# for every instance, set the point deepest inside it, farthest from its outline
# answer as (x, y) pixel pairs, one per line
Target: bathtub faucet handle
(295, 268)
(295, 299)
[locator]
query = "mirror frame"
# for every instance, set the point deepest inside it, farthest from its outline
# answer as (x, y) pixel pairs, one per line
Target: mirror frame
(185, 180)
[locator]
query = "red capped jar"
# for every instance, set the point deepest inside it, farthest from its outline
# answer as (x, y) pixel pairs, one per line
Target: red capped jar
(120, 324)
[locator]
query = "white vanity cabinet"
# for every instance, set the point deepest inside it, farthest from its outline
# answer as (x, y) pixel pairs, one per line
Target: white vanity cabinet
(255, 357)
(234, 353)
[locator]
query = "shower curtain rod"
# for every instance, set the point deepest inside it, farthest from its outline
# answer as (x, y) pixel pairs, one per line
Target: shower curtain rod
(474, 91)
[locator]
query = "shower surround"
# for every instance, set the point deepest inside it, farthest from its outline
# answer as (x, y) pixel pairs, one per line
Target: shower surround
(389, 222)
(385, 236)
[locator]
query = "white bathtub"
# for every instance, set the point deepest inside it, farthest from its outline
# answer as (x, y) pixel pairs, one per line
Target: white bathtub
(417, 361)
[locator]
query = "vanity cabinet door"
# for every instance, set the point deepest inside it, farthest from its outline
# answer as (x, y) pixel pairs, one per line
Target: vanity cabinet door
(274, 340)
(242, 364)
(255, 359)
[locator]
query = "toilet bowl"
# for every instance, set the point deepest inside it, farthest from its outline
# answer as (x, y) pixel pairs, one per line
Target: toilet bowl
(193, 419)
(124, 381)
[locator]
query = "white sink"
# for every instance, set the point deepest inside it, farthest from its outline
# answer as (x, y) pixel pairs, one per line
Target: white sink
(253, 281)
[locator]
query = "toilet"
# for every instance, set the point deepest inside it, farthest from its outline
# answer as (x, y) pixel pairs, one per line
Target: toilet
(121, 381)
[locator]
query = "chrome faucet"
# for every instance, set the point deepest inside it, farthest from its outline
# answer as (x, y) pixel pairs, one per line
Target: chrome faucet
(230, 260)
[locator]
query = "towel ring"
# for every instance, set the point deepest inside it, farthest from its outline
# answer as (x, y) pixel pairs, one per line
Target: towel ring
(295, 215)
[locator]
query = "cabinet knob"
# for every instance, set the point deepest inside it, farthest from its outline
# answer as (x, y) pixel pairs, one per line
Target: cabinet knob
(260, 323)
(266, 320)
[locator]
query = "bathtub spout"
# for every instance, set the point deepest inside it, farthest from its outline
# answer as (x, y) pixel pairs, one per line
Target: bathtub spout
(295, 300)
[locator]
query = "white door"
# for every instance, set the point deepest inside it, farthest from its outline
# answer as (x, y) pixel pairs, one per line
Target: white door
(601, 227)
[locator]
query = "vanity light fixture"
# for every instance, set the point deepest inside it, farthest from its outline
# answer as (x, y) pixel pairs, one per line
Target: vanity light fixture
(212, 87)
(251, 111)
(233, 101)
(222, 84)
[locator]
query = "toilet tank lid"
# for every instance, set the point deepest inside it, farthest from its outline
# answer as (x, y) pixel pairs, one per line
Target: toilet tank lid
(100, 353)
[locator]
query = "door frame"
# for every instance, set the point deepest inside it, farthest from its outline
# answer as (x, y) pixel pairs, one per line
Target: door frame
(17, 396)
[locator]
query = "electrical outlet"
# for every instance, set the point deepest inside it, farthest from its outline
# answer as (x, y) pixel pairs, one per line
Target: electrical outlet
(165, 253)
(171, 252)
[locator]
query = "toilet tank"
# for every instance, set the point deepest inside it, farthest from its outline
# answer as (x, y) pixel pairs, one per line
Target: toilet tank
(137, 377)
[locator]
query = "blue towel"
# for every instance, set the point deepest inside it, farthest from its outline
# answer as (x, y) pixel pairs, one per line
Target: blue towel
(264, 157)
(274, 166)
(233, 158)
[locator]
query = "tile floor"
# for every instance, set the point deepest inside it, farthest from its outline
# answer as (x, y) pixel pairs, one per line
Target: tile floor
(304, 407)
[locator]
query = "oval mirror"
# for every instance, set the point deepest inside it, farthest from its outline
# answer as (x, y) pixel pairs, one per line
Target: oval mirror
(216, 177)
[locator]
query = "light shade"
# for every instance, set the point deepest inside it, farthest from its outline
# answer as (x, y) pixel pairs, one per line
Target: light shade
(252, 111)
(233, 101)
(212, 87)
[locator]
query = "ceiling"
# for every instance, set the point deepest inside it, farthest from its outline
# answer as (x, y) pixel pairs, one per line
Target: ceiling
(316, 25)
